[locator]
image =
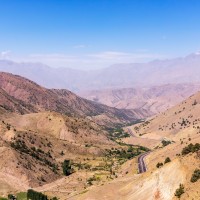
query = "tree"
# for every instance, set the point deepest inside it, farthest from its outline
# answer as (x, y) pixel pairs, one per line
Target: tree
(159, 165)
(167, 160)
(195, 176)
(34, 195)
(165, 143)
(179, 191)
(11, 197)
(67, 169)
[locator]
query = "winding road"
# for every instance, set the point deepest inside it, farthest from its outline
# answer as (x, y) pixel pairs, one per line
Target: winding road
(141, 163)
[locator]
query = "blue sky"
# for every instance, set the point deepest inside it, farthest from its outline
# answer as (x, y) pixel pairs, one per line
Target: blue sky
(91, 34)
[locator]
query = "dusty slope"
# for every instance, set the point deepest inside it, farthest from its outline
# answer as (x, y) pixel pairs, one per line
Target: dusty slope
(180, 125)
(31, 146)
(155, 184)
(159, 185)
(34, 146)
(151, 99)
(178, 122)
(34, 98)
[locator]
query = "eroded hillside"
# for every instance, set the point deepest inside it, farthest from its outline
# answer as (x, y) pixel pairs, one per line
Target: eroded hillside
(173, 161)
(26, 96)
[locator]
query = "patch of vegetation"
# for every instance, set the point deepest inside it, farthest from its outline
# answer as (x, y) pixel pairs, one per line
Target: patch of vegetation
(67, 168)
(34, 195)
(126, 154)
(195, 176)
(82, 166)
(30, 194)
(191, 148)
(159, 165)
(167, 160)
(38, 154)
(22, 196)
(92, 179)
(11, 197)
(118, 133)
(179, 191)
(165, 142)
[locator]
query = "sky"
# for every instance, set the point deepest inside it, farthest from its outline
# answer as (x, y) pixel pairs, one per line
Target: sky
(91, 34)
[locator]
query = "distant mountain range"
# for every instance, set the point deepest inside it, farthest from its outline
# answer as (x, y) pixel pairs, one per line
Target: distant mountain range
(153, 99)
(178, 70)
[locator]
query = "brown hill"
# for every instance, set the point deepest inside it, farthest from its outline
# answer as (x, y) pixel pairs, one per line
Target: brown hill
(180, 121)
(26, 96)
(153, 100)
(178, 127)
(33, 147)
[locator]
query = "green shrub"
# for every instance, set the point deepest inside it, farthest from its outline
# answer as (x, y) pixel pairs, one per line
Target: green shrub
(195, 176)
(67, 169)
(159, 165)
(34, 195)
(191, 148)
(22, 196)
(2, 198)
(167, 160)
(11, 196)
(179, 191)
(165, 143)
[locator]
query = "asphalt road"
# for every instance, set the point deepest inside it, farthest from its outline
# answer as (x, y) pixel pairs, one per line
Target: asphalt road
(141, 164)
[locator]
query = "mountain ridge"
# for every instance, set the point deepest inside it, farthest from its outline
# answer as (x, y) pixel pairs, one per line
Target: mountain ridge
(176, 70)
(36, 99)
(153, 99)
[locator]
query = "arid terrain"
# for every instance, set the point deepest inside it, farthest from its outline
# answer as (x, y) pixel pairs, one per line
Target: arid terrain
(151, 100)
(100, 100)
(171, 132)
(38, 136)
(41, 128)
(24, 96)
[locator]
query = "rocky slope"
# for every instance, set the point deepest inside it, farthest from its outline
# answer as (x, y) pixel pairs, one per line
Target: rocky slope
(179, 121)
(26, 96)
(151, 99)
(33, 147)
(173, 131)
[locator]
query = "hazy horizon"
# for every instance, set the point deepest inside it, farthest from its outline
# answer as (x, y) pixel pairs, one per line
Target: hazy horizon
(92, 69)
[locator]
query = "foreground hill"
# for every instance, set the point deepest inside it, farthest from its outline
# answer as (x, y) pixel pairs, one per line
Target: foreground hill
(152, 99)
(157, 183)
(24, 96)
(174, 159)
(177, 70)
(178, 122)
(33, 147)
